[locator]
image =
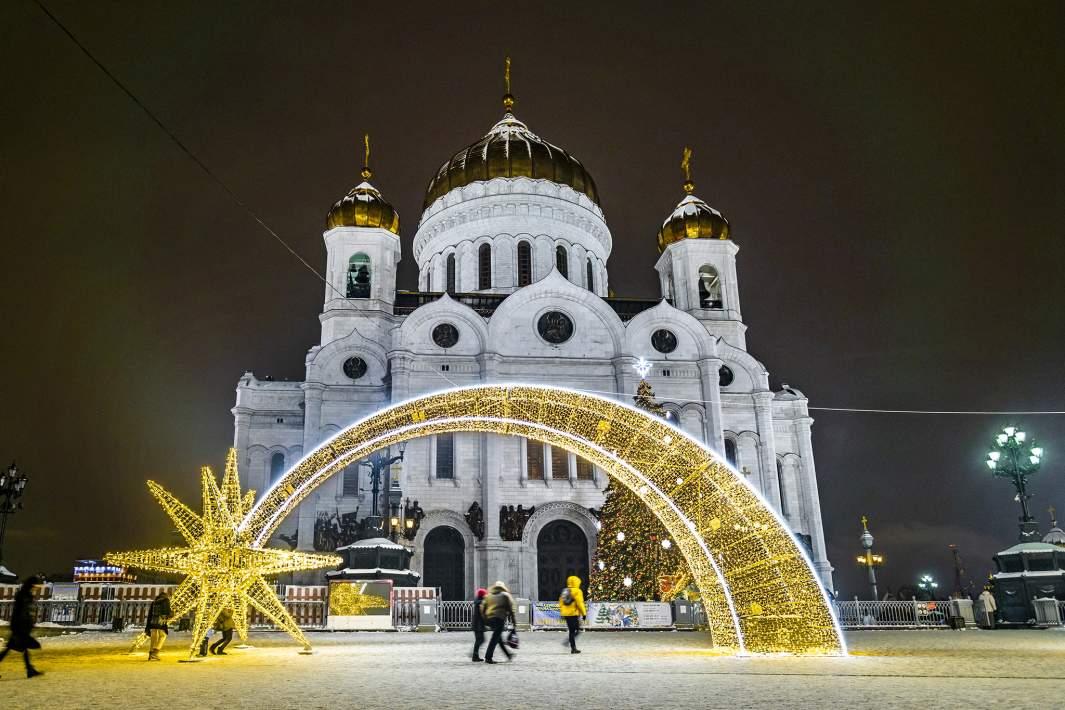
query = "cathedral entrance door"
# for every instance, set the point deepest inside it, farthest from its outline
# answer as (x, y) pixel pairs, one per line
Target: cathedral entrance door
(445, 562)
(561, 551)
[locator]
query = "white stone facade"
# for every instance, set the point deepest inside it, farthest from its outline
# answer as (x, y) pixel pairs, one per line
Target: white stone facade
(498, 341)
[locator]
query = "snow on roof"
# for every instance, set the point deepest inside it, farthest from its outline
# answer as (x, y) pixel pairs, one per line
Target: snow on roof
(1023, 547)
(373, 542)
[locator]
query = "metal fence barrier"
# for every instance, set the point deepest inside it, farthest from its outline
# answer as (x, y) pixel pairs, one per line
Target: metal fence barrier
(887, 614)
(454, 615)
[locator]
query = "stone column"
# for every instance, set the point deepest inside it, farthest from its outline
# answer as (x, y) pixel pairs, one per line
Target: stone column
(307, 512)
(767, 456)
(491, 549)
(710, 378)
(401, 365)
(811, 501)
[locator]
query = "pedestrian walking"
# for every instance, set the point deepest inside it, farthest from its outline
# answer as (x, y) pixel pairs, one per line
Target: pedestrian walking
(498, 606)
(987, 599)
(571, 606)
(157, 625)
(224, 624)
(22, 620)
(478, 624)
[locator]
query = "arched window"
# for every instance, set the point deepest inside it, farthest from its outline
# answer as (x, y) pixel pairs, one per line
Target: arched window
(730, 452)
(450, 288)
(359, 276)
(709, 287)
(588, 280)
(484, 267)
(562, 261)
(524, 264)
(277, 466)
(783, 492)
(445, 455)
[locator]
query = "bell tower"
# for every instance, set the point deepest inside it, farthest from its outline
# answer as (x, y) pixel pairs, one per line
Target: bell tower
(363, 248)
(697, 266)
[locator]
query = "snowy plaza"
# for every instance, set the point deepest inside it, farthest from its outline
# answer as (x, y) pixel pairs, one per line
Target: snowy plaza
(973, 669)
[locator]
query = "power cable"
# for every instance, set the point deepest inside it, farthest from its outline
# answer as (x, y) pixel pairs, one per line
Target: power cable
(184, 148)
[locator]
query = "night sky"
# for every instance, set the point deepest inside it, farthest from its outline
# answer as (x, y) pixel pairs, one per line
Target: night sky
(893, 176)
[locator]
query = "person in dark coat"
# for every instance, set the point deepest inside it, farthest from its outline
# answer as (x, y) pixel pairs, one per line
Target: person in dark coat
(225, 624)
(156, 626)
(497, 608)
(22, 620)
(478, 624)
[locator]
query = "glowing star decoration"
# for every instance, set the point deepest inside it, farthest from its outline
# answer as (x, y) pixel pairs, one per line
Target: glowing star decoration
(224, 566)
(642, 367)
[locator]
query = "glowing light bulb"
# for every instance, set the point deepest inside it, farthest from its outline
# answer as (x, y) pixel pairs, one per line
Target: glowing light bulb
(1001, 439)
(601, 565)
(621, 537)
(995, 455)
(1020, 436)
(1009, 430)
(1038, 451)
(666, 544)
(627, 581)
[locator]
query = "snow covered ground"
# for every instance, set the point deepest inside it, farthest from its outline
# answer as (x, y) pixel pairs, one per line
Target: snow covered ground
(887, 669)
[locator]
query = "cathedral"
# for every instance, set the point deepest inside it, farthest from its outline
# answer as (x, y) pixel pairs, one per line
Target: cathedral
(513, 286)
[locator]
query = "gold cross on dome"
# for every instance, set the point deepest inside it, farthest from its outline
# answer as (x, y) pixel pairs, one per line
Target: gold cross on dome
(865, 522)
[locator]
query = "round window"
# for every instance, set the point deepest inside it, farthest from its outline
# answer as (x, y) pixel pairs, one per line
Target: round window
(445, 335)
(354, 367)
(725, 376)
(555, 327)
(664, 341)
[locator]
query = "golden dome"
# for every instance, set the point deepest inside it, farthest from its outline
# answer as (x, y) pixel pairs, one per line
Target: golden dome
(363, 206)
(510, 150)
(693, 218)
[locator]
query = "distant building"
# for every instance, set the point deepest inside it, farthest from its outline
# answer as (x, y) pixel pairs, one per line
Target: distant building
(512, 251)
(100, 571)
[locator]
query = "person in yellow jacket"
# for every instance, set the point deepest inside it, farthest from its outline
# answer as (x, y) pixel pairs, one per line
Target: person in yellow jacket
(571, 605)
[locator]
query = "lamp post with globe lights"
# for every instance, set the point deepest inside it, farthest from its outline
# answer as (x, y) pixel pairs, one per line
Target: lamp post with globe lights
(12, 483)
(869, 560)
(928, 584)
(1015, 457)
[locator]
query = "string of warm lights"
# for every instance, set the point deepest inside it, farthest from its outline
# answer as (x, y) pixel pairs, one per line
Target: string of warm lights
(224, 569)
(758, 587)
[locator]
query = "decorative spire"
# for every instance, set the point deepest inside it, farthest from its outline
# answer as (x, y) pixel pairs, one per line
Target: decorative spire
(508, 98)
(366, 172)
(686, 166)
(865, 523)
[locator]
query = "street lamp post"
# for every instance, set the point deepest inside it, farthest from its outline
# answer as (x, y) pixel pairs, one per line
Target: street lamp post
(1016, 458)
(868, 559)
(378, 462)
(12, 483)
(928, 584)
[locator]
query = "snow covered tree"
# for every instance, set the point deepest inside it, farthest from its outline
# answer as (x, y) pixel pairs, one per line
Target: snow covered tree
(634, 550)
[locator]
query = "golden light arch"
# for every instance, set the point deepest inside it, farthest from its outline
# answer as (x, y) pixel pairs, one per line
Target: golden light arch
(760, 591)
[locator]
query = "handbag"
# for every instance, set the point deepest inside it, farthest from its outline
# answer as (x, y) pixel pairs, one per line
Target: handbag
(512, 639)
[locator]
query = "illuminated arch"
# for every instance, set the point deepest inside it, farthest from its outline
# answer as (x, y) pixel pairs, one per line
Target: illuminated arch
(759, 590)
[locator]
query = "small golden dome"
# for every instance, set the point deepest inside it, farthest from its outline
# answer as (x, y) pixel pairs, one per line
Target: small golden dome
(363, 206)
(693, 218)
(510, 150)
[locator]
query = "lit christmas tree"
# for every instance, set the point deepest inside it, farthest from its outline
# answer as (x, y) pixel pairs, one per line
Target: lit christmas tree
(635, 559)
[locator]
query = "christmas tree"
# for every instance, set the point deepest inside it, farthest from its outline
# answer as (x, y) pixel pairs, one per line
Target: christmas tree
(635, 558)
